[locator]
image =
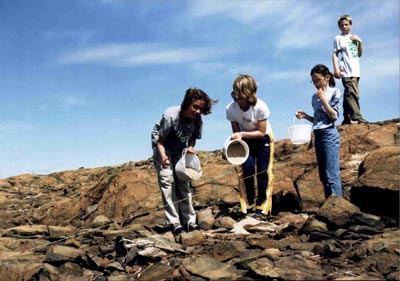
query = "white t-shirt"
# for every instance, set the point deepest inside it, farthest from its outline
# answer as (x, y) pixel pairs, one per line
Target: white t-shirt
(349, 63)
(248, 120)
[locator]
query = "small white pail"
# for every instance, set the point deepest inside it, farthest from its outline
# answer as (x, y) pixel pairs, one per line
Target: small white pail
(188, 168)
(236, 151)
(300, 133)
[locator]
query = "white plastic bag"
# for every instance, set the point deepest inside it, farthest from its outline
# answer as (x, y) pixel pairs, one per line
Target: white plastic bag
(188, 168)
(300, 133)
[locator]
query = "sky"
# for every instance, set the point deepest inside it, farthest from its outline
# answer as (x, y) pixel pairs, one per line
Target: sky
(82, 82)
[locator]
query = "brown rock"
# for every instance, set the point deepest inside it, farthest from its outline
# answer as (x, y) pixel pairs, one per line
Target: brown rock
(47, 213)
(209, 268)
(205, 218)
(157, 271)
(192, 238)
(337, 210)
(380, 169)
(63, 253)
(228, 250)
(27, 230)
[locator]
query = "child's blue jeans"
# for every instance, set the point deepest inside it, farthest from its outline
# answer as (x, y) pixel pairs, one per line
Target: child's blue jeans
(327, 148)
(260, 155)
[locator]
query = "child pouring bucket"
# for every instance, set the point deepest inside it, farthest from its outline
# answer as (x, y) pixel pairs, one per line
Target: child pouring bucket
(251, 147)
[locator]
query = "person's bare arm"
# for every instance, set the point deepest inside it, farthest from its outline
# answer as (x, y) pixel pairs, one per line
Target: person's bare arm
(300, 114)
(258, 133)
(335, 62)
(328, 108)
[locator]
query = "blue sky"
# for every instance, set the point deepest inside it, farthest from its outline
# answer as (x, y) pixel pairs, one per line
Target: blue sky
(83, 81)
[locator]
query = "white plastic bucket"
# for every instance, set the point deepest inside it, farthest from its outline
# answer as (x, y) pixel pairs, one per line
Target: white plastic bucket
(300, 133)
(188, 168)
(236, 151)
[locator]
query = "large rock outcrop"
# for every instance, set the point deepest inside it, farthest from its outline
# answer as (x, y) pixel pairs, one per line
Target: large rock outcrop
(108, 223)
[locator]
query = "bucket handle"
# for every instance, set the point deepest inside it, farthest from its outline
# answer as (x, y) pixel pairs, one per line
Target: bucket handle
(300, 120)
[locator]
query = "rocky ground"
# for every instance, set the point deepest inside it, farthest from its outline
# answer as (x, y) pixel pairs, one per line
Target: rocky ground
(108, 223)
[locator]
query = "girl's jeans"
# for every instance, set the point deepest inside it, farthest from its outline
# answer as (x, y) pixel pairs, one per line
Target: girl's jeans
(327, 148)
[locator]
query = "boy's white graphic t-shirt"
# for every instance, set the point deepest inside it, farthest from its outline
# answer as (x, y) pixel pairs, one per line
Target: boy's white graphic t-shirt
(349, 63)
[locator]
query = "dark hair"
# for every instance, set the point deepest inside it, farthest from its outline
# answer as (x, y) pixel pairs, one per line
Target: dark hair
(197, 94)
(324, 71)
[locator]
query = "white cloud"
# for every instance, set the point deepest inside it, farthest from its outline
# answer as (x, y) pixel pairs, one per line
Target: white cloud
(174, 56)
(143, 54)
(382, 10)
(303, 33)
(378, 72)
(248, 12)
(386, 48)
(380, 65)
(102, 53)
(294, 24)
(227, 69)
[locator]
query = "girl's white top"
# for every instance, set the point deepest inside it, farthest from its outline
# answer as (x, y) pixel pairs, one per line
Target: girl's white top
(248, 120)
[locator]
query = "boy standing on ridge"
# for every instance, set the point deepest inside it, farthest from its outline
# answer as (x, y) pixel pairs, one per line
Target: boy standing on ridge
(350, 47)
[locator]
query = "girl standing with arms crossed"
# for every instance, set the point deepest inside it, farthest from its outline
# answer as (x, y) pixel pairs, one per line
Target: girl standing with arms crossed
(326, 104)
(249, 120)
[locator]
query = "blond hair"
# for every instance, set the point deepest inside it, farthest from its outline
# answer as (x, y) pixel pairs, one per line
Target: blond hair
(247, 86)
(345, 17)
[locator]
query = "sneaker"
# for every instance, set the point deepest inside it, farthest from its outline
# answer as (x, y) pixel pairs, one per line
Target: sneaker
(260, 216)
(237, 209)
(177, 229)
(359, 121)
(192, 226)
(362, 121)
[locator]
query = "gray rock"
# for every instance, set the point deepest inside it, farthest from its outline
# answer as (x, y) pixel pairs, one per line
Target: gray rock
(100, 221)
(205, 218)
(157, 271)
(57, 253)
(192, 238)
(152, 252)
(312, 225)
(27, 230)
(20, 271)
(225, 222)
(369, 220)
(297, 268)
(261, 267)
(56, 232)
(209, 268)
(227, 250)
